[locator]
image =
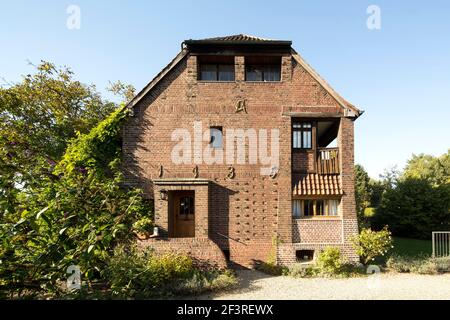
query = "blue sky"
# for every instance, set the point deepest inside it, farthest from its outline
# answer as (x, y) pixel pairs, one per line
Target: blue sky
(400, 74)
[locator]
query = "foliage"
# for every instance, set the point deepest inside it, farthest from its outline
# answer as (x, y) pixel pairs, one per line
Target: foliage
(418, 264)
(200, 282)
(74, 217)
(329, 261)
(141, 273)
(368, 194)
(98, 150)
(126, 91)
(362, 191)
(298, 270)
(44, 111)
(415, 208)
(143, 225)
(435, 170)
(369, 244)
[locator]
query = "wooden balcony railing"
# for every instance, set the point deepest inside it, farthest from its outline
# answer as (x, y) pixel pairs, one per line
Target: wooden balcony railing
(328, 161)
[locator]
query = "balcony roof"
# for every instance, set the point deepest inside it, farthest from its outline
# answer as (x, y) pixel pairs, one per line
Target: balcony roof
(313, 184)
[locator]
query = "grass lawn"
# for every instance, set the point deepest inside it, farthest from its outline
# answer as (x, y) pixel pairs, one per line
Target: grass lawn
(411, 247)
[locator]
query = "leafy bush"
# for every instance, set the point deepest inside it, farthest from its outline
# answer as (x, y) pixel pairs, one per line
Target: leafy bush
(200, 282)
(72, 218)
(141, 273)
(369, 244)
(298, 270)
(329, 261)
(420, 265)
(270, 268)
(143, 225)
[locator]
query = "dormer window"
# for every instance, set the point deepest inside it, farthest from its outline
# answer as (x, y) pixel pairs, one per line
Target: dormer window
(216, 68)
(263, 68)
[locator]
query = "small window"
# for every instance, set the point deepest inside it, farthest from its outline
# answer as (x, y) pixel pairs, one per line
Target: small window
(186, 206)
(304, 255)
(302, 135)
(216, 68)
(216, 137)
(312, 208)
(263, 69)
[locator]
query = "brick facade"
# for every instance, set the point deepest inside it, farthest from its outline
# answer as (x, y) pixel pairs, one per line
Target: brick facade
(244, 213)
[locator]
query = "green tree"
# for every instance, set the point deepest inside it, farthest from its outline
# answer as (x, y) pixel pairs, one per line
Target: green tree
(362, 193)
(415, 208)
(436, 170)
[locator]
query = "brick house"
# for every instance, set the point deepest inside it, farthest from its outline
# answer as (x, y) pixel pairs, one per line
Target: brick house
(227, 208)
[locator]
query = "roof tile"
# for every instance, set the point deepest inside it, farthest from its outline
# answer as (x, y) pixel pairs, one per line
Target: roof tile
(313, 184)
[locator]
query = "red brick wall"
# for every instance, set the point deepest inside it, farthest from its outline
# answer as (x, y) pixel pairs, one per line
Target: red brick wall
(250, 209)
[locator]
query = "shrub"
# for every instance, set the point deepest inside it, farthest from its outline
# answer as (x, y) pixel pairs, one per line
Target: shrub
(142, 273)
(143, 225)
(200, 282)
(420, 265)
(329, 261)
(299, 270)
(370, 244)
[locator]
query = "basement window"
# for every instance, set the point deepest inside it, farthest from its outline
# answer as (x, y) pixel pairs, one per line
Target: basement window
(216, 68)
(266, 69)
(304, 255)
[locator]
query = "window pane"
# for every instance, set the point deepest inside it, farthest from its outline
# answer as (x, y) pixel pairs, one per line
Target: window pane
(306, 125)
(308, 208)
(226, 72)
(216, 137)
(320, 208)
(208, 72)
(333, 207)
(297, 125)
(296, 139)
(272, 73)
(296, 208)
(306, 139)
(254, 73)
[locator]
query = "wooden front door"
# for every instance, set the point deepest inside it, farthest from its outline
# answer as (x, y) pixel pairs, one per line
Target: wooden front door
(184, 214)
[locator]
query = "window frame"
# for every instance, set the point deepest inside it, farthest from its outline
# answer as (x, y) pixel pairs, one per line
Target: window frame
(308, 205)
(302, 130)
(262, 67)
(216, 65)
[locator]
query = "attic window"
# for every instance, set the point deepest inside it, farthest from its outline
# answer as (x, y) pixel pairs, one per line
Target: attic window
(264, 68)
(216, 68)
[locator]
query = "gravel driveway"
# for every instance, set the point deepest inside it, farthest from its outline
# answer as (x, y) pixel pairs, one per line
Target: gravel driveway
(257, 285)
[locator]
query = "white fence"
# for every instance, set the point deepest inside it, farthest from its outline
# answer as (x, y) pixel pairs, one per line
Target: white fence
(441, 243)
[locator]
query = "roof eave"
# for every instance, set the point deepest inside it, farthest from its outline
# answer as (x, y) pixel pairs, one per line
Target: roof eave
(238, 42)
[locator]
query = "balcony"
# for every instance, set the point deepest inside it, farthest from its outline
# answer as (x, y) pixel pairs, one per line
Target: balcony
(328, 161)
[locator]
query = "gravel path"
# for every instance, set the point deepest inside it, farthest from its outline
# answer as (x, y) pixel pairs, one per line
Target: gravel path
(257, 285)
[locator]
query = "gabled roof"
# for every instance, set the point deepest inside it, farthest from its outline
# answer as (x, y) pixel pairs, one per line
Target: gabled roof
(349, 109)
